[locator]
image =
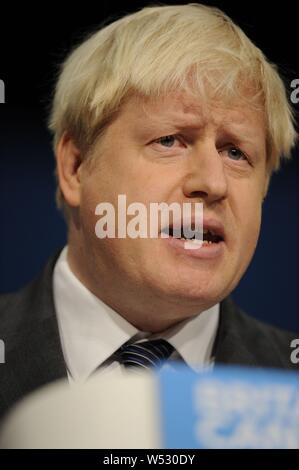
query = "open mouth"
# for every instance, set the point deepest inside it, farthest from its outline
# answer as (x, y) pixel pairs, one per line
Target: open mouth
(208, 237)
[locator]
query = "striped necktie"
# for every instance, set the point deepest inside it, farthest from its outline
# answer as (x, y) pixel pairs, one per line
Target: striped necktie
(146, 354)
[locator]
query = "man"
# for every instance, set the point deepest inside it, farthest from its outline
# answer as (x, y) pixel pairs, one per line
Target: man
(172, 104)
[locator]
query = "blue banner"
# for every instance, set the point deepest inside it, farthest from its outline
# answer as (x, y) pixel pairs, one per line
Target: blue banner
(229, 408)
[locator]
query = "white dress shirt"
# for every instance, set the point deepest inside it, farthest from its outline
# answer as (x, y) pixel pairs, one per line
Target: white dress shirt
(91, 331)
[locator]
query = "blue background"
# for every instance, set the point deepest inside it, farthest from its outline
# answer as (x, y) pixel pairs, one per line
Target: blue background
(32, 228)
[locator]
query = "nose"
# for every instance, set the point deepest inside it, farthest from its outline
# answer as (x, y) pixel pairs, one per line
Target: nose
(206, 178)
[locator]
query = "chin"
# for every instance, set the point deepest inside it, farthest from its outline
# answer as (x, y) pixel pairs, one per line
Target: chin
(192, 292)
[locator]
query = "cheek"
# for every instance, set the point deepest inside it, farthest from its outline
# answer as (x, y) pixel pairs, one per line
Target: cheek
(246, 210)
(94, 190)
(250, 222)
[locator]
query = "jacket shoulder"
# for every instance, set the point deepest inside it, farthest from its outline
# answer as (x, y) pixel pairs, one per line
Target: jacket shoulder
(13, 306)
(20, 309)
(263, 344)
(29, 329)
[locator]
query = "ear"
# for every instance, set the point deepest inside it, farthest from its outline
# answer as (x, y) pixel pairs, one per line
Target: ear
(69, 160)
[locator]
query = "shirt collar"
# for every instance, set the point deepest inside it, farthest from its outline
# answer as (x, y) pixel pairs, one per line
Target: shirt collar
(194, 338)
(90, 330)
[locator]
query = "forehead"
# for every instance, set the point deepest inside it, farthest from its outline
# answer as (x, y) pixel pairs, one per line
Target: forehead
(190, 111)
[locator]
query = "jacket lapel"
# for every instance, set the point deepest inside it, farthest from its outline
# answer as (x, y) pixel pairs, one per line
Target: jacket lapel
(231, 342)
(34, 355)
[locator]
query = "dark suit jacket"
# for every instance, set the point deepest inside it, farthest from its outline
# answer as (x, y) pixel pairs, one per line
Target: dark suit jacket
(33, 354)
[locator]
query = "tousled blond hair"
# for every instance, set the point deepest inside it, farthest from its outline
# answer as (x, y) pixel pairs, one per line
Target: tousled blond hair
(193, 48)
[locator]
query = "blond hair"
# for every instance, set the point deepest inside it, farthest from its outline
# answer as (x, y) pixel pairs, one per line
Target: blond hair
(156, 50)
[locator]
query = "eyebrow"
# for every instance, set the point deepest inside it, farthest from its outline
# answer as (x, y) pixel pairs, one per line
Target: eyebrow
(241, 133)
(176, 121)
(237, 128)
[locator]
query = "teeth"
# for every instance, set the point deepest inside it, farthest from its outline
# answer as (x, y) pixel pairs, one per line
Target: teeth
(195, 244)
(192, 244)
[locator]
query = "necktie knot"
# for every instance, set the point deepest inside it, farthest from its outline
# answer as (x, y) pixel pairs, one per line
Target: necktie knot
(146, 354)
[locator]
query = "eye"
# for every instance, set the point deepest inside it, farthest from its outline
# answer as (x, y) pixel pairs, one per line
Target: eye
(234, 153)
(167, 140)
